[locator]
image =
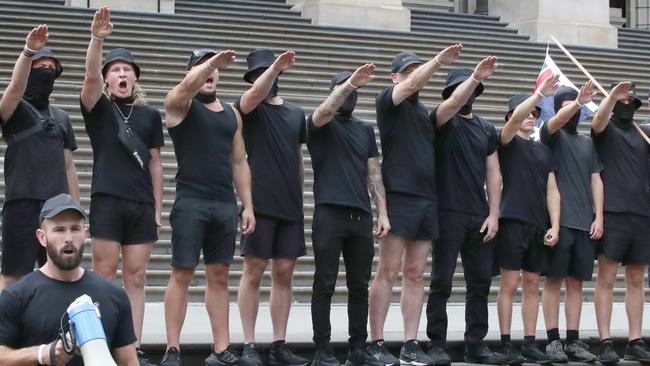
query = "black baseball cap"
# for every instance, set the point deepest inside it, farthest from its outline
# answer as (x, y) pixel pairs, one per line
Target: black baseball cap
(515, 100)
(58, 204)
(637, 101)
(47, 53)
(198, 55)
(339, 78)
(402, 60)
(257, 60)
(120, 54)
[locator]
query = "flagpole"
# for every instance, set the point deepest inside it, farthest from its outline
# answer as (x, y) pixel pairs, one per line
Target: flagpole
(594, 81)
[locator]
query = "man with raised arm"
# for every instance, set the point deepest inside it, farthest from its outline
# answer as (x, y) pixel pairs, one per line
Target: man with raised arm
(345, 161)
(211, 156)
(407, 138)
(529, 221)
(273, 130)
(466, 162)
(581, 222)
(626, 220)
(38, 159)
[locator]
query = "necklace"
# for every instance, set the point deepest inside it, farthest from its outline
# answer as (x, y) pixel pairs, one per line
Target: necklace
(126, 119)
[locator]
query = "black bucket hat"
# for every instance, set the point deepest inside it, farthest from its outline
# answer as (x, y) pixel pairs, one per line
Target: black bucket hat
(339, 78)
(120, 54)
(258, 59)
(637, 101)
(404, 59)
(198, 55)
(47, 53)
(515, 100)
(563, 94)
(457, 76)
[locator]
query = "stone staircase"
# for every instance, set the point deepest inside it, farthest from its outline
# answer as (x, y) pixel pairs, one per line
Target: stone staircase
(162, 43)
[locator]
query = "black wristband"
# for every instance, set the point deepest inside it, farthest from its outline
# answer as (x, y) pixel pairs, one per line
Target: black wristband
(53, 353)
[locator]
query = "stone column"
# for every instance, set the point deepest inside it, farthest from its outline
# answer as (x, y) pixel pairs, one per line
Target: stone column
(373, 14)
(145, 6)
(574, 22)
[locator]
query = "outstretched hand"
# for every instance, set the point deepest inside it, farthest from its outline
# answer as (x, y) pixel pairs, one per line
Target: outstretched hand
(586, 93)
(450, 54)
(549, 85)
(37, 37)
(485, 68)
(621, 89)
(285, 61)
(102, 26)
(222, 59)
(362, 75)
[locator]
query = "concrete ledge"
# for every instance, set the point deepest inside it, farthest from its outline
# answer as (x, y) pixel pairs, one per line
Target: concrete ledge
(147, 6)
(385, 14)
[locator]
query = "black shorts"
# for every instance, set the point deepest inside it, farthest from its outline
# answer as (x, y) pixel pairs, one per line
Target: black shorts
(20, 248)
(520, 246)
(412, 217)
(626, 238)
(202, 224)
(573, 255)
(274, 238)
(122, 220)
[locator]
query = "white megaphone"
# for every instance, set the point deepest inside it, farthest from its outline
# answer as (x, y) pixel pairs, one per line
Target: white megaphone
(89, 333)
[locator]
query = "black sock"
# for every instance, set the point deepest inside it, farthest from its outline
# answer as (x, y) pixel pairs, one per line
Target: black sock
(606, 340)
(553, 335)
(572, 335)
(529, 340)
(505, 338)
(636, 341)
(277, 344)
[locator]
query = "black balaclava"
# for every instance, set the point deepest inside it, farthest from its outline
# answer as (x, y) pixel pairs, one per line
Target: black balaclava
(623, 114)
(39, 87)
(414, 97)
(346, 109)
(563, 94)
(467, 108)
(206, 98)
(274, 89)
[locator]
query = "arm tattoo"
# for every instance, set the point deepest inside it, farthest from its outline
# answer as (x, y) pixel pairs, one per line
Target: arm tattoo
(375, 185)
(334, 101)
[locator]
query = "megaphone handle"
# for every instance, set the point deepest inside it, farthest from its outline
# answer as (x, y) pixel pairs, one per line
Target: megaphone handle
(69, 348)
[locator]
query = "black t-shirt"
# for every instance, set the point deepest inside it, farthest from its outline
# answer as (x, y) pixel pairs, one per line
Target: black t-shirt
(525, 166)
(576, 159)
(339, 156)
(114, 172)
(34, 167)
(203, 146)
(462, 148)
(407, 146)
(624, 155)
(273, 134)
(31, 310)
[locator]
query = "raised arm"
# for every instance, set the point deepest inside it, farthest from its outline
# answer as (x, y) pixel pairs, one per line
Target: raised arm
(242, 179)
(493, 183)
(522, 111)
(36, 39)
(337, 97)
(420, 76)
(585, 96)
(100, 28)
(461, 94)
(378, 193)
(177, 102)
(601, 118)
(598, 197)
(260, 89)
(553, 206)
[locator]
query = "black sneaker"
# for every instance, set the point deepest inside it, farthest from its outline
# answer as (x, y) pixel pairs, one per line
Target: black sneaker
(512, 356)
(324, 356)
(171, 358)
(143, 359)
(637, 351)
(607, 355)
(284, 356)
(439, 356)
(555, 350)
(532, 354)
(578, 351)
(481, 353)
(250, 356)
(412, 354)
(359, 356)
(225, 358)
(379, 351)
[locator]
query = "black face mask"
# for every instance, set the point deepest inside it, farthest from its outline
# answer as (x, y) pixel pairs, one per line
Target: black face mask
(572, 125)
(274, 89)
(467, 108)
(623, 114)
(206, 98)
(126, 100)
(414, 97)
(345, 110)
(39, 87)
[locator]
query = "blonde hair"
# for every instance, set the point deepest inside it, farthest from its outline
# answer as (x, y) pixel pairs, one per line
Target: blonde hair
(139, 96)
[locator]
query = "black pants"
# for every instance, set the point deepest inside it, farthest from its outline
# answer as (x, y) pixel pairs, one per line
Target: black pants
(336, 230)
(459, 232)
